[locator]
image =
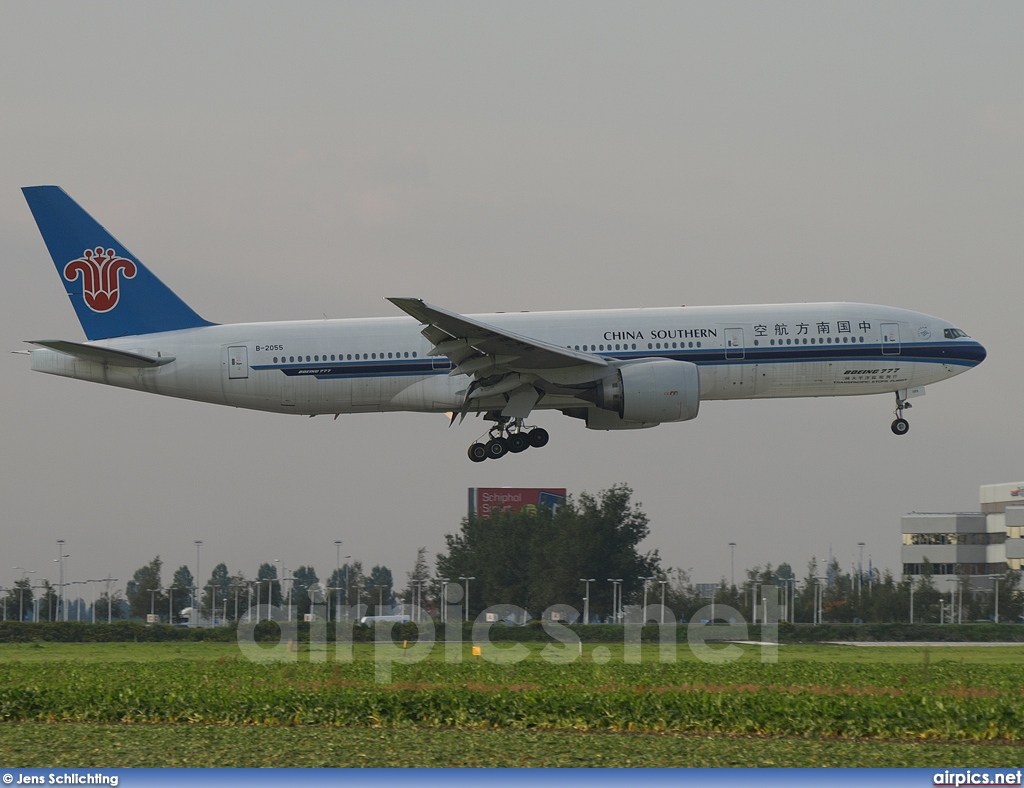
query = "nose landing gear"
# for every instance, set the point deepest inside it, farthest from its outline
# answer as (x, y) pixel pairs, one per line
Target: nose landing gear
(508, 435)
(901, 426)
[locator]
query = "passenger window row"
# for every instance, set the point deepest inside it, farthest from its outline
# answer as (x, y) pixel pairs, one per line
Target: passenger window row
(341, 357)
(816, 341)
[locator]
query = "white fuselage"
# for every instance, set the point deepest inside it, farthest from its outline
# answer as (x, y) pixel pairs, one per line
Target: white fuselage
(382, 364)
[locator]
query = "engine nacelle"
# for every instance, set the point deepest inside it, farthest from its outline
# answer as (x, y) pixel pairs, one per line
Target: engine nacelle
(648, 393)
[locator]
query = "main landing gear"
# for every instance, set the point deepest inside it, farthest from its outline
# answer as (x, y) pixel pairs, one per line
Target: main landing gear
(901, 426)
(504, 439)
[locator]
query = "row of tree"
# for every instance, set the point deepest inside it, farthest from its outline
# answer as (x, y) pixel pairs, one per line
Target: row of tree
(22, 602)
(538, 558)
(224, 597)
(227, 597)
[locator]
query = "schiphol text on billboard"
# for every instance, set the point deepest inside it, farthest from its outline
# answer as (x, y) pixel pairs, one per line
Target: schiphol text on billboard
(485, 501)
(729, 636)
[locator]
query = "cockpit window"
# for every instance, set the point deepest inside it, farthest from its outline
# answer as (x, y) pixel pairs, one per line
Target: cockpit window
(953, 333)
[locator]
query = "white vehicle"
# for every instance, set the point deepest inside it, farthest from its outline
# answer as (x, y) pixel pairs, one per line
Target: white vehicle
(371, 620)
(614, 369)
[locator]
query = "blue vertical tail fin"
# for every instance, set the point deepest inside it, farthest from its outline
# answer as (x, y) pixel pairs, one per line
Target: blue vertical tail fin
(113, 293)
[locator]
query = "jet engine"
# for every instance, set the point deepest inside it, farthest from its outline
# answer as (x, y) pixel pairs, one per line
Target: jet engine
(644, 394)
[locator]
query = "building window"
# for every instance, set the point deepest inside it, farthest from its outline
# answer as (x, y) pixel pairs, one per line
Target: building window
(982, 539)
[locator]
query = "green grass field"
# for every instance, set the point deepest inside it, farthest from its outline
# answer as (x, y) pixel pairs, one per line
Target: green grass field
(201, 704)
(1010, 656)
(94, 745)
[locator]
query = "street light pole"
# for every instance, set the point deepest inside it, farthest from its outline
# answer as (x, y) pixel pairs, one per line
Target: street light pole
(280, 580)
(337, 571)
(195, 584)
(61, 613)
(616, 598)
(586, 599)
(663, 584)
(467, 579)
(646, 581)
(110, 604)
(78, 607)
(996, 579)
(347, 557)
(213, 604)
(821, 599)
(732, 563)
(860, 569)
(420, 584)
(444, 599)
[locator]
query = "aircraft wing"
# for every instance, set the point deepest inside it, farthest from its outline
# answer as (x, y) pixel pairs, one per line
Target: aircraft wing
(497, 361)
(475, 346)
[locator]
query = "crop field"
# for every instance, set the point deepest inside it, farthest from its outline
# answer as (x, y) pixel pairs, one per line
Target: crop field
(201, 704)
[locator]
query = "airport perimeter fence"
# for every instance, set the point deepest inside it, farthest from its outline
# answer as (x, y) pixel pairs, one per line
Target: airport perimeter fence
(533, 632)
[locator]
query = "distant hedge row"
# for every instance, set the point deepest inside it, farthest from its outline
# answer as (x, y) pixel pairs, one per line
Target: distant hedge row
(129, 631)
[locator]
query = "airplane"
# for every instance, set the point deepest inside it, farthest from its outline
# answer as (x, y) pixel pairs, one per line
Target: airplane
(614, 369)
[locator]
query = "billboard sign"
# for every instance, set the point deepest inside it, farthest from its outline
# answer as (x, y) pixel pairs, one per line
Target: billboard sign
(483, 501)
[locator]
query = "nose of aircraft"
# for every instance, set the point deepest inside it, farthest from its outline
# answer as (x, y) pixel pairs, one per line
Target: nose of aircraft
(976, 352)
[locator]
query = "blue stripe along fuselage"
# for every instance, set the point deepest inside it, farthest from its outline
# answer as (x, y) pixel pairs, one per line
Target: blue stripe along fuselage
(957, 353)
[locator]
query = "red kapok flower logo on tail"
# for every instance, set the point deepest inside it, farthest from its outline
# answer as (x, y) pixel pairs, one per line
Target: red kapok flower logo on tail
(99, 270)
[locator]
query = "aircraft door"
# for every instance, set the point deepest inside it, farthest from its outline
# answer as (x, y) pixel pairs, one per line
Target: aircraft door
(238, 363)
(738, 377)
(734, 343)
(890, 339)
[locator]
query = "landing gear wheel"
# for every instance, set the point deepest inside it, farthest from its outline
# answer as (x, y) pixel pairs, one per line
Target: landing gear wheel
(518, 442)
(538, 437)
(900, 427)
(496, 448)
(477, 452)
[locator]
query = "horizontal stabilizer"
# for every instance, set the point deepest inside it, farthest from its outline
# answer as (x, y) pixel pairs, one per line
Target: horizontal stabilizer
(103, 355)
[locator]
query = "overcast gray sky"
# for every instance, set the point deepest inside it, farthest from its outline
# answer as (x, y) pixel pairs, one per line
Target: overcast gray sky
(278, 161)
